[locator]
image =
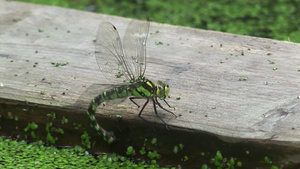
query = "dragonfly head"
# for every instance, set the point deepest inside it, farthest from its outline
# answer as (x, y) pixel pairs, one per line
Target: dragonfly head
(162, 90)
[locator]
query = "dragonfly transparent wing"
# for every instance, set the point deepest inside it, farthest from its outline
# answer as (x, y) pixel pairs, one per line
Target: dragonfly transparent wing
(110, 54)
(135, 46)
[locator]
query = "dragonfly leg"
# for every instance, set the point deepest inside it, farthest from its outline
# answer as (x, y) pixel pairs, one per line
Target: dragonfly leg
(133, 98)
(154, 106)
(169, 105)
(164, 108)
(140, 113)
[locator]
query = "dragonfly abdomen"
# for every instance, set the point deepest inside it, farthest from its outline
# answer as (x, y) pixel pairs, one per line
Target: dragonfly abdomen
(117, 92)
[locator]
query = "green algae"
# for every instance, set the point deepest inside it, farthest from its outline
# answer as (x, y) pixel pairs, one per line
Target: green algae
(20, 154)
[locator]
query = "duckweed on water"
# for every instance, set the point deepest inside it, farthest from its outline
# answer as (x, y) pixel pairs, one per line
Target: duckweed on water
(153, 155)
(31, 126)
(221, 162)
(19, 154)
(10, 116)
(64, 120)
(52, 115)
(49, 137)
(267, 160)
(175, 149)
(76, 126)
(185, 158)
(86, 140)
(130, 151)
(143, 151)
(181, 146)
(153, 141)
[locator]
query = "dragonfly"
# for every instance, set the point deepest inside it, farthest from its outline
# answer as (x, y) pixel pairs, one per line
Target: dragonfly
(124, 63)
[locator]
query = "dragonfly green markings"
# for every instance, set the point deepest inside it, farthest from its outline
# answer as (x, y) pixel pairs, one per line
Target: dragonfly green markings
(125, 64)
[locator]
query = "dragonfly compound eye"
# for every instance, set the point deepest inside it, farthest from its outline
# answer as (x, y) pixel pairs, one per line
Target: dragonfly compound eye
(167, 89)
(162, 90)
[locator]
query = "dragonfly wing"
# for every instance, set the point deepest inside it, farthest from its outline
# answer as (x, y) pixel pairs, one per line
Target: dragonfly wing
(110, 55)
(135, 46)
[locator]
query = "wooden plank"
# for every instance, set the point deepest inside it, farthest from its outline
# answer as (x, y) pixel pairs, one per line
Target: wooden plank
(203, 68)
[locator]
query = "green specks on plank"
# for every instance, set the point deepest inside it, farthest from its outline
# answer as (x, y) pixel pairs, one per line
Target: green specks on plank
(118, 116)
(271, 62)
(158, 43)
(119, 75)
(57, 64)
(243, 78)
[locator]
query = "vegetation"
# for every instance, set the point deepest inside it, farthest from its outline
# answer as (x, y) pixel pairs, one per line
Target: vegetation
(19, 154)
(276, 19)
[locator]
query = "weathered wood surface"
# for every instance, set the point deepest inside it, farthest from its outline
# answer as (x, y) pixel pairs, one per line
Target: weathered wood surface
(203, 68)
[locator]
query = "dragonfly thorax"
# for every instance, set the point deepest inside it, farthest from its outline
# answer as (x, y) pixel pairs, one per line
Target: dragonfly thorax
(162, 90)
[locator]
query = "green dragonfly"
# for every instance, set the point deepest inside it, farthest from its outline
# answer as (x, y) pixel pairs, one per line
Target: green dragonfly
(125, 64)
